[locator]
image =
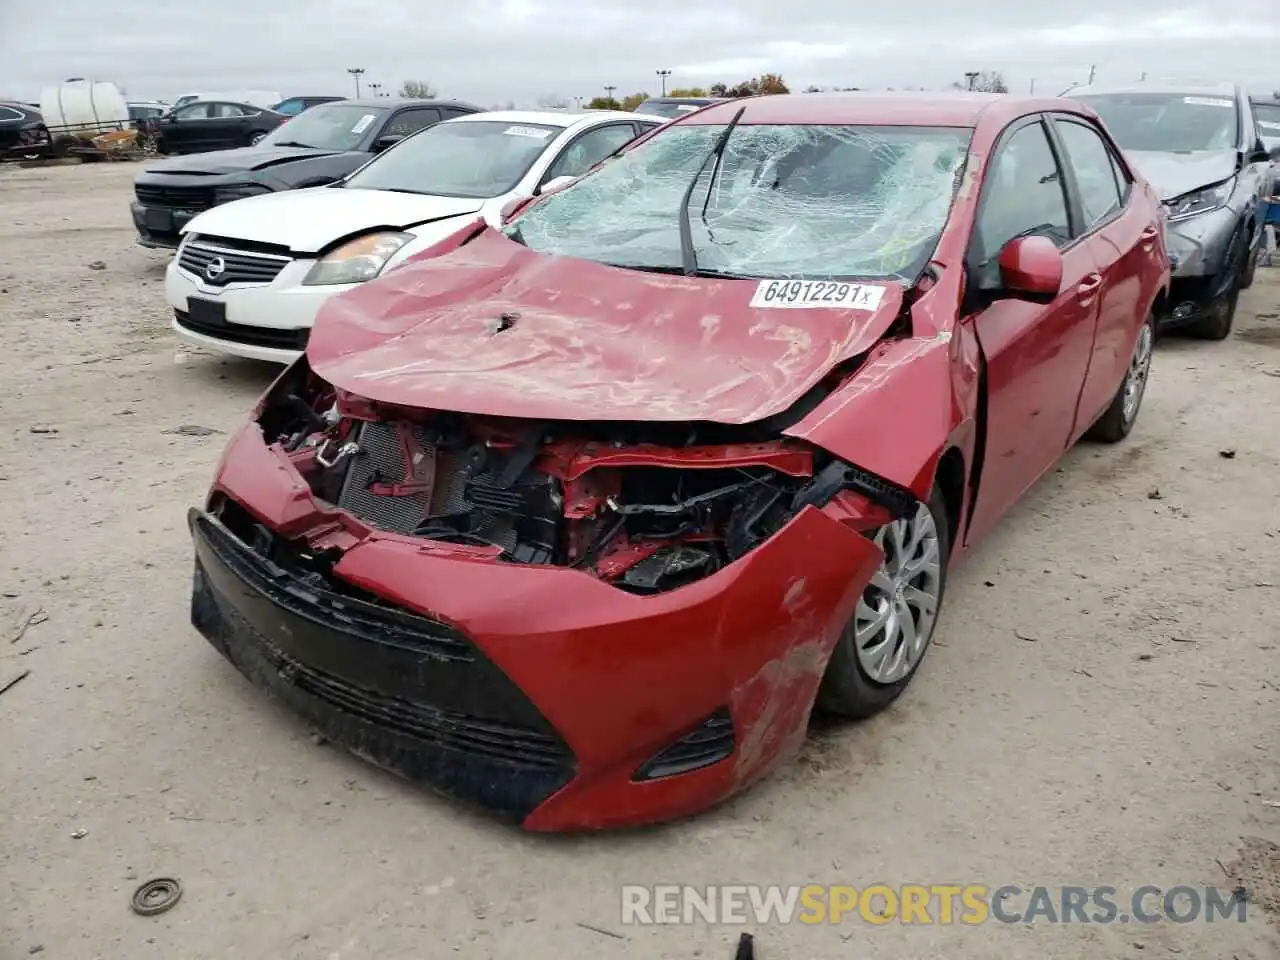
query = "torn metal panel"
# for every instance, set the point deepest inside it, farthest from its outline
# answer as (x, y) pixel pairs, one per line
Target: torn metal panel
(895, 416)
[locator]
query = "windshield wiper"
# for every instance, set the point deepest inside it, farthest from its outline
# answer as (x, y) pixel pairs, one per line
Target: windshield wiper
(688, 256)
(699, 272)
(295, 143)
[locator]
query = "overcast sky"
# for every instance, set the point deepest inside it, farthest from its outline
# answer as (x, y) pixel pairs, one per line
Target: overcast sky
(491, 51)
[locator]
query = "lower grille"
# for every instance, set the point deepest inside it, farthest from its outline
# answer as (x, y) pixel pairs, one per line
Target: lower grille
(710, 743)
(283, 339)
(229, 266)
(395, 672)
(178, 198)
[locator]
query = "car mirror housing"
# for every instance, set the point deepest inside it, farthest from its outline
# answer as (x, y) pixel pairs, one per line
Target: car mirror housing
(555, 184)
(1031, 267)
(390, 140)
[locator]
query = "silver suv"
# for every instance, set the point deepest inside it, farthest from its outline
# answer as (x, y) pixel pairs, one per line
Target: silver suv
(1199, 146)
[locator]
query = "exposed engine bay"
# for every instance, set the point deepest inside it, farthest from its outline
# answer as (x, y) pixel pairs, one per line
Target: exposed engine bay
(646, 507)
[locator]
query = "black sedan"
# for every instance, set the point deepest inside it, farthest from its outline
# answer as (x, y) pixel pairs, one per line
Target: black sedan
(214, 125)
(22, 131)
(318, 146)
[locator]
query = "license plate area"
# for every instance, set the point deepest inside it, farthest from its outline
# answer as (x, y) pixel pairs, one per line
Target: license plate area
(207, 313)
(159, 220)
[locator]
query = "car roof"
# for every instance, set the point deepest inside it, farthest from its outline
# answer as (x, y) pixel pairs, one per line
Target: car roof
(951, 109)
(549, 118)
(386, 103)
(1220, 89)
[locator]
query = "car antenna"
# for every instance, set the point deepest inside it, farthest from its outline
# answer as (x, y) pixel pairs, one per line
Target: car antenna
(688, 257)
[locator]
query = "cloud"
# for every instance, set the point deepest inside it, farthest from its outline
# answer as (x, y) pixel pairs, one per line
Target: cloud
(490, 51)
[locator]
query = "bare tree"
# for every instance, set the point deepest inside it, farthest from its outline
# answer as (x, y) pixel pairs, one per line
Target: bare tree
(985, 81)
(417, 90)
(552, 101)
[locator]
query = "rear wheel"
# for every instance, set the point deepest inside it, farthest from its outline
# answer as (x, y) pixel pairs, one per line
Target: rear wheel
(886, 640)
(255, 137)
(1114, 425)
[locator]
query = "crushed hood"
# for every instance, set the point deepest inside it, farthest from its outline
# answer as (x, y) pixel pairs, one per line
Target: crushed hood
(1173, 174)
(306, 221)
(242, 160)
(497, 329)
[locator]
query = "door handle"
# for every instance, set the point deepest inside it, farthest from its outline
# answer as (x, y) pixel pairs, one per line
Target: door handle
(1088, 286)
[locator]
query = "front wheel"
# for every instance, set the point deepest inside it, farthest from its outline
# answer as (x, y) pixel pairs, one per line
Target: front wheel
(886, 640)
(1118, 420)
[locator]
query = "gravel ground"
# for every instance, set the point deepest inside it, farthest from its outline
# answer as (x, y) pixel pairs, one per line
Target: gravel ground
(1101, 707)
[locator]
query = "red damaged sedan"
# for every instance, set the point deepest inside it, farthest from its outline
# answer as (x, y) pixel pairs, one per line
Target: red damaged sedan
(580, 519)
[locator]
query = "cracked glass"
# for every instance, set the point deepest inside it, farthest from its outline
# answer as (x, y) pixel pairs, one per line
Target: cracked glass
(790, 201)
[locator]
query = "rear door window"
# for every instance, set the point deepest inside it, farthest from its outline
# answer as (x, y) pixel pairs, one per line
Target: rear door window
(1094, 168)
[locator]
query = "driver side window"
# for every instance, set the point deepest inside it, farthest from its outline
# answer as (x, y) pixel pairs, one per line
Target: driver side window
(1024, 195)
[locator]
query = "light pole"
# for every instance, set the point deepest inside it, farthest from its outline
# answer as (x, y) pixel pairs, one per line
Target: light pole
(375, 87)
(1033, 86)
(662, 78)
(609, 91)
(972, 77)
(577, 102)
(356, 73)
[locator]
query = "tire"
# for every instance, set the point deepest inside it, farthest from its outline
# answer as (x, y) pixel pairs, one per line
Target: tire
(1216, 325)
(848, 689)
(1251, 265)
(1118, 420)
(255, 137)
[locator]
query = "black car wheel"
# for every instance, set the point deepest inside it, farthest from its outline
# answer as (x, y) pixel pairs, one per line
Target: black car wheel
(1220, 314)
(255, 137)
(885, 642)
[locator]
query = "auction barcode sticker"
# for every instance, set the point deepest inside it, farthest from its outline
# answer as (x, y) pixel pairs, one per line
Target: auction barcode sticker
(1209, 101)
(535, 132)
(808, 294)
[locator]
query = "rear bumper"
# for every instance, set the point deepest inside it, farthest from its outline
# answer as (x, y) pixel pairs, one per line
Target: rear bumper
(617, 679)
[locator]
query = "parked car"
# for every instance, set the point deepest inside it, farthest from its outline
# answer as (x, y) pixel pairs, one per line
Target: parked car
(675, 106)
(23, 134)
(578, 519)
(208, 125)
(1266, 112)
(295, 105)
(250, 276)
(320, 146)
(1200, 147)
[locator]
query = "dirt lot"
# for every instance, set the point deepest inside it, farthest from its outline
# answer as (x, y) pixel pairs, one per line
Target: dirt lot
(1102, 706)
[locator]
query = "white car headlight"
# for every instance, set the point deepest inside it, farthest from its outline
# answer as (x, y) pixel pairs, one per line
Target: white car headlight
(356, 260)
(1200, 201)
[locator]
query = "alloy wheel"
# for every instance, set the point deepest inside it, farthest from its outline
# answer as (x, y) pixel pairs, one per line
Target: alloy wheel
(895, 616)
(1135, 381)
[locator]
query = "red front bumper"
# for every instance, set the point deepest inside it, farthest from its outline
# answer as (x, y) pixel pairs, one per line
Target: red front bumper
(619, 677)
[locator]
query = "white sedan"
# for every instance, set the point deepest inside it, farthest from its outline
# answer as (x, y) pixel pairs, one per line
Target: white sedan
(249, 276)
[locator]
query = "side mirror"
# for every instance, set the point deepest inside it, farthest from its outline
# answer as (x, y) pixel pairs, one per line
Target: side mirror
(558, 183)
(390, 140)
(1274, 151)
(1031, 267)
(1260, 153)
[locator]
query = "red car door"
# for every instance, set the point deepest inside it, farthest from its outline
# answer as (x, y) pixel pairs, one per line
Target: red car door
(1123, 233)
(1037, 354)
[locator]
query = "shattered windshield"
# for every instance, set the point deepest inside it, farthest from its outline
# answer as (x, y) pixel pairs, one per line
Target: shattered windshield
(464, 158)
(1167, 122)
(794, 201)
